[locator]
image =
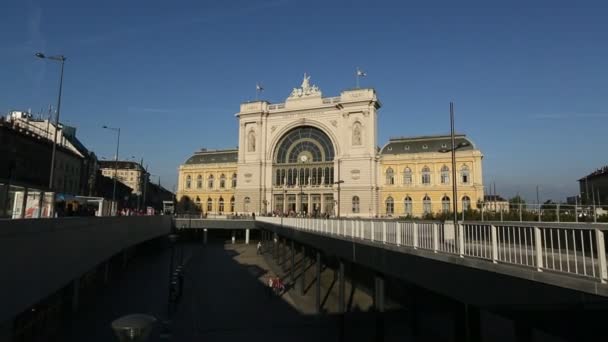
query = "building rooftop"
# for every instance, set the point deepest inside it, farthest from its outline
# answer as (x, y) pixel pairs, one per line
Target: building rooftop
(423, 144)
(213, 156)
(122, 164)
(602, 171)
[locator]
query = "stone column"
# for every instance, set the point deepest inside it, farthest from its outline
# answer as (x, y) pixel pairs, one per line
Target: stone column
(379, 289)
(322, 210)
(205, 236)
(75, 294)
(233, 237)
(303, 275)
(318, 284)
(246, 236)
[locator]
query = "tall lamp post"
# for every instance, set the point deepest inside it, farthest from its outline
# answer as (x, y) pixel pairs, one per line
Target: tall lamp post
(61, 59)
(117, 130)
(453, 150)
(339, 182)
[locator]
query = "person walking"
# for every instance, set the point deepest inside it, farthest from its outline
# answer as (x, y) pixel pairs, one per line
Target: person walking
(270, 287)
(259, 248)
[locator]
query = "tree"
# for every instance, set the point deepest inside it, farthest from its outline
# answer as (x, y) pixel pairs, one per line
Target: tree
(185, 205)
(517, 200)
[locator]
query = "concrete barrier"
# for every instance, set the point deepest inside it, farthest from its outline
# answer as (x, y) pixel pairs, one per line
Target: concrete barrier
(40, 256)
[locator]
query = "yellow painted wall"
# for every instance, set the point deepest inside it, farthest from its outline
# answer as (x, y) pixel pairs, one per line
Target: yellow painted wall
(435, 190)
(203, 193)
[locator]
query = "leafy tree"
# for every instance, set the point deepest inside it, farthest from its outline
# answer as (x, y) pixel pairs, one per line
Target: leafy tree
(186, 205)
(517, 200)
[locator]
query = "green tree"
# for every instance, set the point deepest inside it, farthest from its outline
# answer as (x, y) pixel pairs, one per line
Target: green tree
(186, 205)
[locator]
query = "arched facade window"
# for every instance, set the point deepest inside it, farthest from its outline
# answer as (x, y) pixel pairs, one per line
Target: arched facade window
(197, 201)
(222, 181)
(426, 175)
(188, 182)
(427, 206)
(445, 175)
(390, 176)
(246, 203)
(407, 176)
(199, 181)
(355, 204)
(234, 180)
(209, 204)
(210, 182)
(407, 204)
(466, 203)
(390, 206)
(464, 175)
(221, 205)
(445, 204)
(357, 139)
(232, 204)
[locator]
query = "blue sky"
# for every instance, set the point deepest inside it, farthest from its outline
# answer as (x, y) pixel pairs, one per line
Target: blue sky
(529, 79)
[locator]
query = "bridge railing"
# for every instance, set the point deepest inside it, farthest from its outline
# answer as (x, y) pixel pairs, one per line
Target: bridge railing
(572, 248)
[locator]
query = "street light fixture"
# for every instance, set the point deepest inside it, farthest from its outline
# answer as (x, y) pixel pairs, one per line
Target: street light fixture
(338, 182)
(115, 167)
(58, 58)
(453, 150)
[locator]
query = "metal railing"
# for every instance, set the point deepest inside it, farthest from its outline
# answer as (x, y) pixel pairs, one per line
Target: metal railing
(570, 248)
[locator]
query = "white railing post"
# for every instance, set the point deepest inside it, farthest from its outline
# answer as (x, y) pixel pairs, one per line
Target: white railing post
(398, 233)
(435, 237)
(373, 230)
(352, 228)
(538, 247)
(415, 234)
(601, 255)
(494, 234)
(460, 229)
(383, 231)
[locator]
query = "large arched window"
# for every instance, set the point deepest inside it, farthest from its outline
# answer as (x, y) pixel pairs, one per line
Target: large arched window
(464, 175)
(210, 182)
(304, 141)
(188, 182)
(222, 181)
(390, 206)
(221, 205)
(390, 176)
(246, 204)
(427, 207)
(355, 204)
(407, 204)
(407, 176)
(445, 204)
(232, 204)
(199, 181)
(209, 204)
(426, 175)
(466, 203)
(234, 180)
(445, 175)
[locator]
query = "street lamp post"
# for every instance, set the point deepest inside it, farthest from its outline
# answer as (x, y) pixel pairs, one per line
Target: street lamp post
(58, 58)
(339, 182)
(453, 150)
(114, 209)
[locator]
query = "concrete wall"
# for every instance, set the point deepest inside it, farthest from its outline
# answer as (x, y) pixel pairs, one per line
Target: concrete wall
(39, 256)
(213, 224)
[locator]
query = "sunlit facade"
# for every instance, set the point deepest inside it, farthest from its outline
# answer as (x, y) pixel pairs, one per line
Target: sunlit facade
(319, 156)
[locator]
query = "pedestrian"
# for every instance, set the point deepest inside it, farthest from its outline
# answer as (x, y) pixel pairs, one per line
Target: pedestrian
(259, 248)
(253, 216)
(270, 289)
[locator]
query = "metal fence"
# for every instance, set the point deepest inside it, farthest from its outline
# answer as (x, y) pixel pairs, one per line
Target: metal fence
(571, 248)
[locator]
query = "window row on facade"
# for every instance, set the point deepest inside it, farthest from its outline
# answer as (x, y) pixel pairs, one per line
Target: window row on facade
(425, 176)
(210, 181)
(221, 205)
(304, 176)
(408, 205)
